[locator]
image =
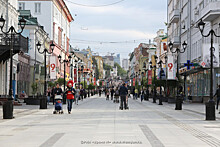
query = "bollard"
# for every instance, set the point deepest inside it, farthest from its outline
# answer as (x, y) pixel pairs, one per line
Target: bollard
(210, 110)
(179, 102)
(43, 103)
(8, 109)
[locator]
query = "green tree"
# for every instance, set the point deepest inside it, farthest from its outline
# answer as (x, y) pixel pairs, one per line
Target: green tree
(51, 84)
(96, 68)
(121, 71)
(108, 68)
(34, 87)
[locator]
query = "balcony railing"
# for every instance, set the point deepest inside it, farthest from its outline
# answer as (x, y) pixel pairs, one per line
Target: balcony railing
(20, 44)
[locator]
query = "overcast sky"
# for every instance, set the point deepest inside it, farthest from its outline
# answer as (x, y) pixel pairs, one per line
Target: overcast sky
(128, 20)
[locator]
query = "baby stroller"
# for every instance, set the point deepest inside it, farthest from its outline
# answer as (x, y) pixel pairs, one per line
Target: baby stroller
(58, 105)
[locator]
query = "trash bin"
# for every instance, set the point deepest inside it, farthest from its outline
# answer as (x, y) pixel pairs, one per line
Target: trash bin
(179, 101)
(210, 110)
(8, 109)
(43, 103)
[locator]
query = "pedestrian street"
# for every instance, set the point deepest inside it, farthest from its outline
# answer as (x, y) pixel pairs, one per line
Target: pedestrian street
(99, 122)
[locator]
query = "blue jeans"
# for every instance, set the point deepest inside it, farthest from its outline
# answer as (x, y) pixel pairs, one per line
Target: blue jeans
(48, 99)
(69, 104)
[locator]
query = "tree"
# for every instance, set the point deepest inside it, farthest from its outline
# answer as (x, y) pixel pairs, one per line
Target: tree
(91, 86)
(96, 68)
(121, 71)
(34, 87)
(51, 84)
(108, 68)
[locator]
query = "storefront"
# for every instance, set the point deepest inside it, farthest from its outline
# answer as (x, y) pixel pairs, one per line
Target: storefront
(197, 83)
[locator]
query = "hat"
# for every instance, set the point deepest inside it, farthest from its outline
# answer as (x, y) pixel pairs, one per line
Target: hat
(70, 82)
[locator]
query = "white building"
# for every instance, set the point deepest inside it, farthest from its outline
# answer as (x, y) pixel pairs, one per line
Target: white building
(125, 64)
(10, 14)
(183, 18)
(55, 16)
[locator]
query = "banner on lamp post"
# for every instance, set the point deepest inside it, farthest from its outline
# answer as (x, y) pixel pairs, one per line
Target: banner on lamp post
(52, 67)
(94, 81)
(171, 72)
(149, 77)
(133, 81)
(75, 75)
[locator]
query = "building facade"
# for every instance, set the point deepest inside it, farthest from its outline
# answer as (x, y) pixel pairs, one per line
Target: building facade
(54, 15)
(183, 18)
(9, 12)
(125, 64)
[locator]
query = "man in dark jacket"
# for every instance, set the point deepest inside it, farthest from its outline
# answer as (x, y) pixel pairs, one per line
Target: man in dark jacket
(218, 96)
(123, 91)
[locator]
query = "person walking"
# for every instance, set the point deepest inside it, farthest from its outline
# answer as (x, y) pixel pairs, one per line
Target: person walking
(48, 95)
(100, 92)
(217, 93)
(70, 92)
(107, 94)
(142, 94)
(136, 93)
(81, 93)
(112, 93)
(52, 94)
(77, 95)
(123, 93)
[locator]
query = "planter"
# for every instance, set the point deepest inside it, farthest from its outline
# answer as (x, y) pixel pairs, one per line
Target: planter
(171, 100)
(32, 101)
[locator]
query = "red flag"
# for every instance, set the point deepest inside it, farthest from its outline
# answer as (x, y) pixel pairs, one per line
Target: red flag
(149, 77)
(75, 75)
(94, 81)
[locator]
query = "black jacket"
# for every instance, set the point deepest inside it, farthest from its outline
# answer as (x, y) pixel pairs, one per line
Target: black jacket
(123, 91)
(217, 92)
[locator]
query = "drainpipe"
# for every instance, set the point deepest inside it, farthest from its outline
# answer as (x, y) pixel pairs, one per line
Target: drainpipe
(6, 63)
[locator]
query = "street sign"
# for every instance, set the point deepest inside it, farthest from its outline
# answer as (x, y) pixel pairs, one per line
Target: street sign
(188, 64)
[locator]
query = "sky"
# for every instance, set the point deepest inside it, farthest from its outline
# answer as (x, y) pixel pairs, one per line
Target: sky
(117, 28)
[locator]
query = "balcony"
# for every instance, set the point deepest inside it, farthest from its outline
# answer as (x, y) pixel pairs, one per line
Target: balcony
(175, 16)
(20, 44)
(176, 41)
(211, 11)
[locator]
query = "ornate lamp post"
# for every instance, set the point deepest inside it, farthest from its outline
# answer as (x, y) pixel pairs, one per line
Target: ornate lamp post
(8, 106)
(210, 105)
(65, 62)
(178, 51)
(154, 67)
(43, 102)
(160, 65)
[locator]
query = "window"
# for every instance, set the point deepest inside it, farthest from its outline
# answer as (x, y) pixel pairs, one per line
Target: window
(37, 7)
(21, 6)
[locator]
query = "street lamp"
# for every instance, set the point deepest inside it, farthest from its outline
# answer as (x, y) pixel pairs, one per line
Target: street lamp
(8, 111)
(154, 67)
(43, 103)
(210, 105)
(161, 69)
(65, 62)
(178, 51)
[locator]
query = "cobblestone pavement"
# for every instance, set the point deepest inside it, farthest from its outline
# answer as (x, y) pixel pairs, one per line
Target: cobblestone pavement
(97, 122)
